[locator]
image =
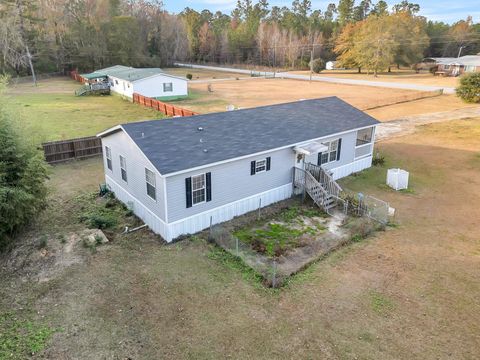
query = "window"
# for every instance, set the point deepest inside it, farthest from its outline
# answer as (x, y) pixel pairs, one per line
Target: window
(364, 136)
(332, 154)
(198, 189)
(446, 67)
(108, 155)
(167, 87)
(150, 180)
(260, 165)
(470, 68)
(123, 168)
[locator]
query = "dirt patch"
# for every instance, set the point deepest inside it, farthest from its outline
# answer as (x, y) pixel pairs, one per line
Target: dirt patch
(48, 257)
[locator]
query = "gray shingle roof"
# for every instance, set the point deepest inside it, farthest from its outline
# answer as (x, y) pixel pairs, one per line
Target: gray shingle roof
(177, 144)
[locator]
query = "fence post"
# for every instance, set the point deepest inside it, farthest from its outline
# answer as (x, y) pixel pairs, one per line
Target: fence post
(259, 207)
(274, 273)
(236, 244)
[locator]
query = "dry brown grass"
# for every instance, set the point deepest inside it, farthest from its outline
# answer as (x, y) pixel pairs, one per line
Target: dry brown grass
(258, 91)
(203, 74)
(401, 76)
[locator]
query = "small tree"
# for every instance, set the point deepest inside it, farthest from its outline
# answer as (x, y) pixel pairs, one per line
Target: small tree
(22, 177)
(189, 76)
(318, 65)
(469, 89)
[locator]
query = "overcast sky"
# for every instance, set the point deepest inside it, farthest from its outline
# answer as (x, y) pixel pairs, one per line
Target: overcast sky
(441, 10)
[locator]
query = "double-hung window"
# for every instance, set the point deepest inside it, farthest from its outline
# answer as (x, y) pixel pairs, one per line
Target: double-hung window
(108, 155)
(198, 189)
(258, 166)
(330, 155)
(123, 168)
(150, 180)
(167, 87)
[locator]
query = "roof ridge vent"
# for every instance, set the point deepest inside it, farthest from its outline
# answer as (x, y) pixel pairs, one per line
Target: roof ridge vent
(200, 128)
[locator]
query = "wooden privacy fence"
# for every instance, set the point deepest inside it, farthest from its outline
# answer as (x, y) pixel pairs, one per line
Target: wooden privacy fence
(77, 77)
(64, 150)
(167, 109)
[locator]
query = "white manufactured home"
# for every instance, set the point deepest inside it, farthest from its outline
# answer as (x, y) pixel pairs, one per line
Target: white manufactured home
(180, 175)
(150, 82)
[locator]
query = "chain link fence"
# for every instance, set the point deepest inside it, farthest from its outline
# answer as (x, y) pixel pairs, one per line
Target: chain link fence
(366, 205)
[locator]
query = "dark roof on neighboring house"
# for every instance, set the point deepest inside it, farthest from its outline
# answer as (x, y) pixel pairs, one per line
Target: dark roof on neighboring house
(177, 144)
(134, 74)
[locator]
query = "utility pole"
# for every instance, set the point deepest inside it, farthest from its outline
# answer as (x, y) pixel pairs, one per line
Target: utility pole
(274, 60)
(311, 64)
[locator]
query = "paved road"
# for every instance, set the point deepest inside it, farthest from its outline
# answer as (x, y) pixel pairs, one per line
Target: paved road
(286, 75)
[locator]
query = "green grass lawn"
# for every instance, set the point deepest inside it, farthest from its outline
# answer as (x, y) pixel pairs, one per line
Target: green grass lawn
(46, 114)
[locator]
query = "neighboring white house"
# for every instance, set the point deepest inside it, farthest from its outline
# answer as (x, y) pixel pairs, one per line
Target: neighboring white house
(182, 174)
(151, 82)
(330, 65)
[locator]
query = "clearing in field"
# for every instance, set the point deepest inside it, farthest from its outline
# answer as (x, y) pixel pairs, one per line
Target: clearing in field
(410, 292)
(256, 92)
(51, 111)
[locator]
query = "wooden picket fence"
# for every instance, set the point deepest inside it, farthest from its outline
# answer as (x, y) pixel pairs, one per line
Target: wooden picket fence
(65, 150)
(167, 109)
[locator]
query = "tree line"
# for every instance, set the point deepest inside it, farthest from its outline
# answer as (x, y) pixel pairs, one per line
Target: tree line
(58, 35)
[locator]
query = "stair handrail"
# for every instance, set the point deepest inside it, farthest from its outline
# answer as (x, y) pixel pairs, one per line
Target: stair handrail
(325, 179)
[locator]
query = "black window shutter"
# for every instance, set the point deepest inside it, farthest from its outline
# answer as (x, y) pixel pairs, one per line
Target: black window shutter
(188, 191)
(339, 148)
(208, 179)
(252, 168)
(268, 163)
(319, 160)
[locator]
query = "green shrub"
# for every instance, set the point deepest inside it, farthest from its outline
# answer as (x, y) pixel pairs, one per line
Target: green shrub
(378, 160)
(318, 65)
(469, 89)
(101, 219)
(189, 76)
(22, 176)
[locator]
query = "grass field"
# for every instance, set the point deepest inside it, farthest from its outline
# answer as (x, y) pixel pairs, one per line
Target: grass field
(257, 92)
(52, 111)
(411, 292)
(203, 74)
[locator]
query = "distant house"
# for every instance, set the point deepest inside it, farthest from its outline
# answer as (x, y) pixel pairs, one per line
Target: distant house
(180, 175)
(456, 66)
(330, 65)
(151, 82)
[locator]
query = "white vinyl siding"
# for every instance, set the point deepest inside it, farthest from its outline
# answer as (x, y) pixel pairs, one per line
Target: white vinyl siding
(198, 189)
(123, 168)
(151, 184)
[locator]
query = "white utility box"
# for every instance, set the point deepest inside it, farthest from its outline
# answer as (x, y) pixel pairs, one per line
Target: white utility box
(397, 179)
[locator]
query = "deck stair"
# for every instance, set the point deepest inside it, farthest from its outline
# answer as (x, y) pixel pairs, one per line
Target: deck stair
(319, 185)
(102, 88)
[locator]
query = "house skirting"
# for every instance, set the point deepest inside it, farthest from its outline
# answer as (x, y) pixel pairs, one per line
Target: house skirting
(353, 167)
(198, 222)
